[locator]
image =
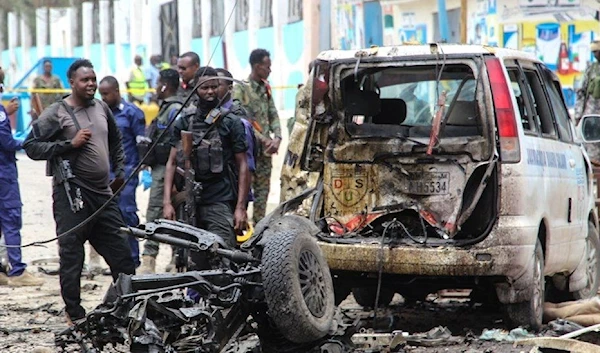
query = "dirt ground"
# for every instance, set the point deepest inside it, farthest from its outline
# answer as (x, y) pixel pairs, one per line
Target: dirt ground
(29, 316)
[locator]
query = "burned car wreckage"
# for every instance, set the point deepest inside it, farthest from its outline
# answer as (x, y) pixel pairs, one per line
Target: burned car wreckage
(277, 286)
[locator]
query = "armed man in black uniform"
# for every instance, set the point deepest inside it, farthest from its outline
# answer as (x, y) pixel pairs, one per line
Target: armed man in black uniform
(218, 160)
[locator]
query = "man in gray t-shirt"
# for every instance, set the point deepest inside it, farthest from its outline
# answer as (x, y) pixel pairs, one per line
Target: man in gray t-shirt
(83, 131)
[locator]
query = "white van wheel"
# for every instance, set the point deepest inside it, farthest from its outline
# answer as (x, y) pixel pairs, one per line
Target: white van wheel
(530, 313)
(592, 254)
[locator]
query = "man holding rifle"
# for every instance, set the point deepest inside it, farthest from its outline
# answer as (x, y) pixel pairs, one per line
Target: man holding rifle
(79, 138)
(217, 176)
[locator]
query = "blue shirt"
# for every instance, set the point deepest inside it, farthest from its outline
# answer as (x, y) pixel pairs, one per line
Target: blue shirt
(131, 122)
(249, 138)
(9, 184)
(152, 74)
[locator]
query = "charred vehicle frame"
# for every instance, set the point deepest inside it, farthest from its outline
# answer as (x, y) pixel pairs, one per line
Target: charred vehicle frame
(279, 288)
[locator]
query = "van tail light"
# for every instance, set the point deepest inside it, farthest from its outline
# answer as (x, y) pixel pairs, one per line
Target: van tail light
(510, 151)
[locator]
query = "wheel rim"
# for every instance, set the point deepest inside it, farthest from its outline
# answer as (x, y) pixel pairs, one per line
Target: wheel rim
(591, 266)
(312, 283)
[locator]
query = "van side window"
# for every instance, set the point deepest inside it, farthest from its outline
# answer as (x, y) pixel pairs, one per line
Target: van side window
(558, 106)
(527, 119)
(540, 104)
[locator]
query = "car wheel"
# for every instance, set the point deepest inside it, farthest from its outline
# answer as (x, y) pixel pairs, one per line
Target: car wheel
(365, 296)
(530, 313)
(298, 286)
(592, 254)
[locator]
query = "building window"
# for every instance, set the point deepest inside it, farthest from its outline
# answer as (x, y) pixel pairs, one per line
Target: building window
(242, 12)
(294, 11)
(197, 21)
(217, 22)
(266, 17)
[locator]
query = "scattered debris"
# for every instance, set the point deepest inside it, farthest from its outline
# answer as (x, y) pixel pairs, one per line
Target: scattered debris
(437, 336)
(565, 344)
(90, 287)
(582, 331)
(561, 326)
(505, 336)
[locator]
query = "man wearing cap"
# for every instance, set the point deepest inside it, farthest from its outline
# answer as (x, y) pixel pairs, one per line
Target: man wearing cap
(588, 98)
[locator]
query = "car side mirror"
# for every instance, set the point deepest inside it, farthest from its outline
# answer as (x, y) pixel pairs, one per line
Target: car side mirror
(590, 128)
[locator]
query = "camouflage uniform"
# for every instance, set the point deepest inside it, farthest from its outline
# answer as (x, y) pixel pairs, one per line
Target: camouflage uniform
(256, 98)
(586, 104)
(48, 98)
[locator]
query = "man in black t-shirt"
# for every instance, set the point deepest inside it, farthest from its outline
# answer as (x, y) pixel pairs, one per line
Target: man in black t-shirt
(219, 161)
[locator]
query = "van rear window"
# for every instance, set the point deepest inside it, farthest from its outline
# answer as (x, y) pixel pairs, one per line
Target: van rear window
(402, 101)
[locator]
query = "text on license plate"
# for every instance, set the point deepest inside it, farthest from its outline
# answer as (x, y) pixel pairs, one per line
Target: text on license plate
(430, 184)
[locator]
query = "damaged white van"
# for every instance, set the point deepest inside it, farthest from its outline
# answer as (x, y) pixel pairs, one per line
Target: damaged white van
(442, 166)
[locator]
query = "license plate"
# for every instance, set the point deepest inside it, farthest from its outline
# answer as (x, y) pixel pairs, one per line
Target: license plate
(430, 184)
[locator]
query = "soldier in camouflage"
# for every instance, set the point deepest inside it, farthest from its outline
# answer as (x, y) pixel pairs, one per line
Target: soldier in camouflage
(255, 96)
(588, 98)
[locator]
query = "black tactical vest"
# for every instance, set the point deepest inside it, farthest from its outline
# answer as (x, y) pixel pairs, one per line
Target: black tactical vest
(208, 154)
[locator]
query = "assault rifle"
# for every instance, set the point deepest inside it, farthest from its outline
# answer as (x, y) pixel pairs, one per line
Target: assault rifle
(192, 187)
(62, 174)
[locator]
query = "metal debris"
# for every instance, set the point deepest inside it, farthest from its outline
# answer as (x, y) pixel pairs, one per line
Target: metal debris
(565, 344)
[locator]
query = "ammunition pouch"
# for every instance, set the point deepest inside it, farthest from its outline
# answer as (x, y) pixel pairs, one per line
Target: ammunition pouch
(161, 152)
(158, 156)
(143, 148)
(208, 159)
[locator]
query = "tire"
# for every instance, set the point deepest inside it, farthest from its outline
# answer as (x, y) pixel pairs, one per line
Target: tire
(365, 296)
(298, 286)
(592, 253)
(530, 313)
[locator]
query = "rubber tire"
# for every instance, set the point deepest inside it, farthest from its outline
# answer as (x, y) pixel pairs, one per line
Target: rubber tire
(593, 272)
(530, 313)
(365, 296)
(286, 304)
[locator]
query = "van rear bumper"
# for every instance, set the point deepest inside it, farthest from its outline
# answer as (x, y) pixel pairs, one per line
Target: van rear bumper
(507, 261)
(504, 252)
